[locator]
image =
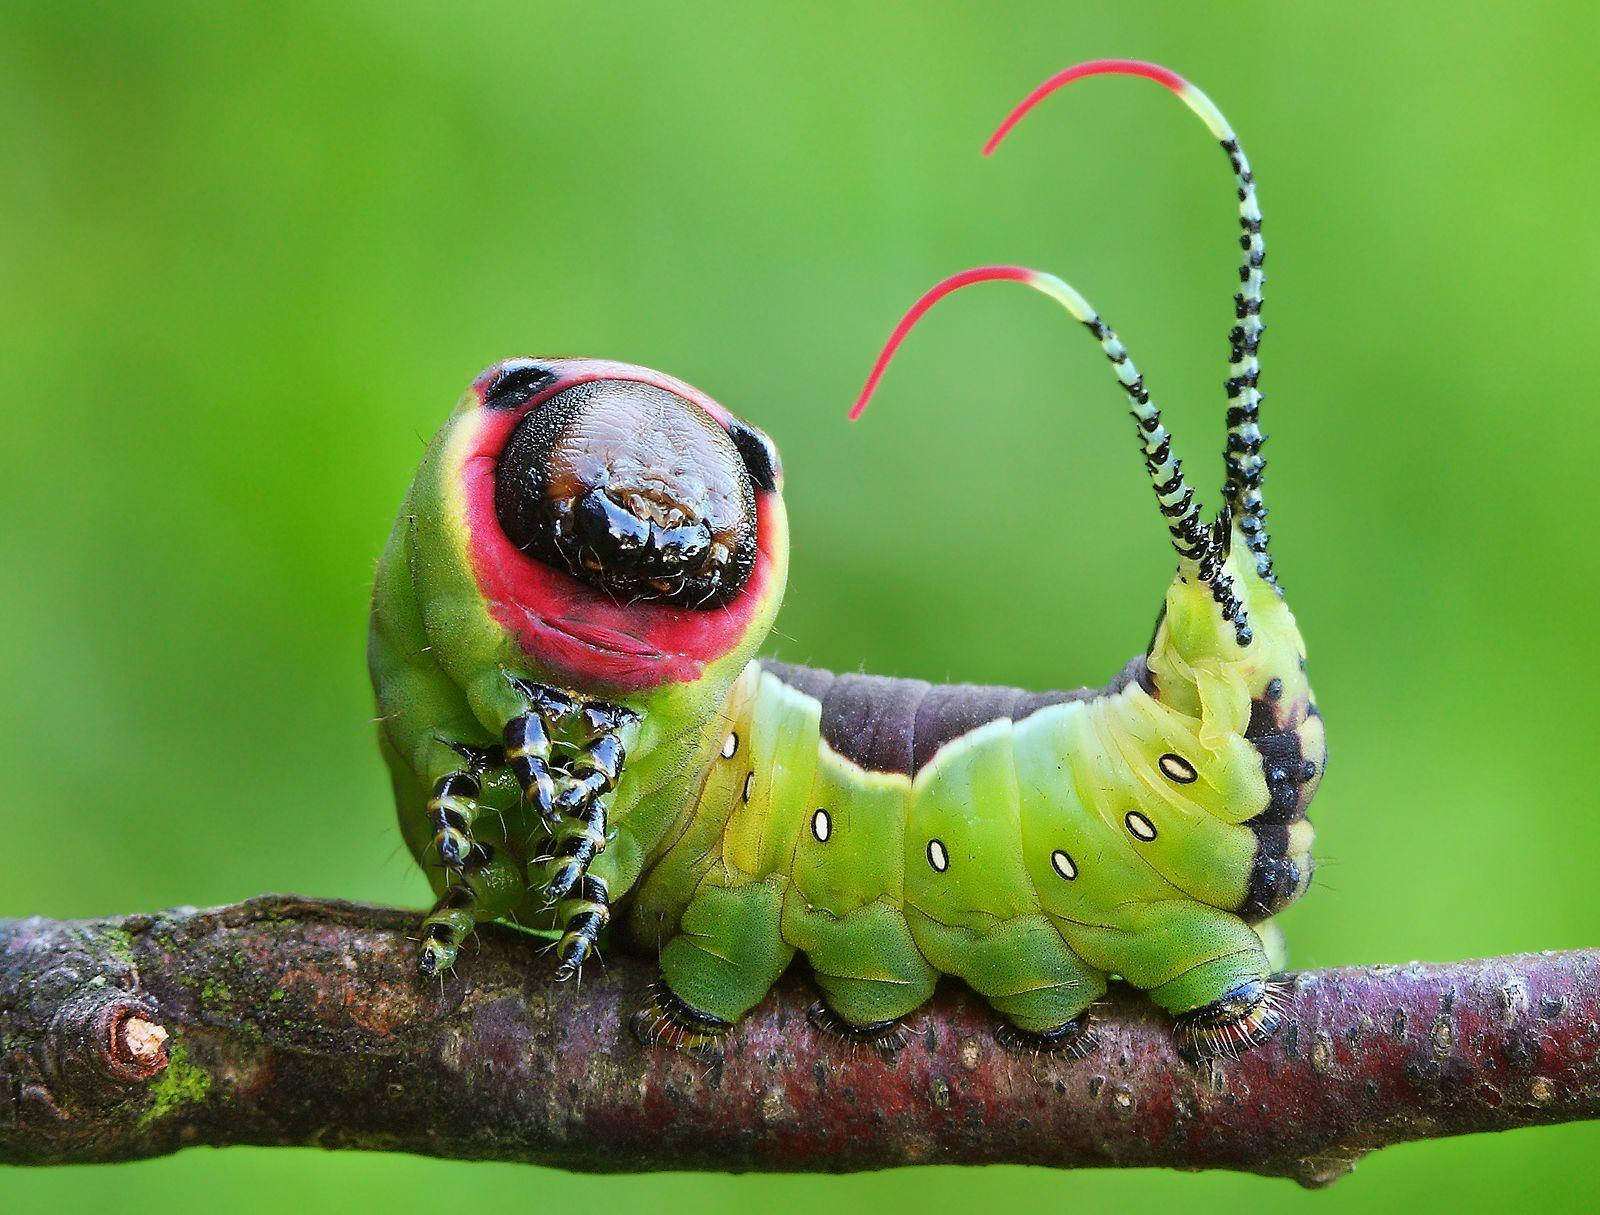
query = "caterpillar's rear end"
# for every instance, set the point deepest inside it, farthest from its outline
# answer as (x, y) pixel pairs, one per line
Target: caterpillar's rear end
(562, 644)
(1031, 844)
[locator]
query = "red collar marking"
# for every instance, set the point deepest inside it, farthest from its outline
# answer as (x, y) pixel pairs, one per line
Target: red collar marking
(566, 626)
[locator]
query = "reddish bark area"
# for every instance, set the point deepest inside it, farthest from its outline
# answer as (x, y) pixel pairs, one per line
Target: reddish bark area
(292, 1021)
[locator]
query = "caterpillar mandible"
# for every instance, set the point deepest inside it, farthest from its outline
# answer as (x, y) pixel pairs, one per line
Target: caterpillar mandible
(562, 647)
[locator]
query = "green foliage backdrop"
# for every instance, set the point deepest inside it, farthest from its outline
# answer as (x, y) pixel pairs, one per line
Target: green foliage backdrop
(252, 254)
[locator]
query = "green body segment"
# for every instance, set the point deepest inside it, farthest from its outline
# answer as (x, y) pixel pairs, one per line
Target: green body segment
(1031, 858)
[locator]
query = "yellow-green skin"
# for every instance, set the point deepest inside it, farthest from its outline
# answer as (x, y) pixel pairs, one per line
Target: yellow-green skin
(716, 848)
(746, 884)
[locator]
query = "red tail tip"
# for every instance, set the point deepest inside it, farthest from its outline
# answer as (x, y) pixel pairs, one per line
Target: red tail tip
(930, 297)
(1093, 67)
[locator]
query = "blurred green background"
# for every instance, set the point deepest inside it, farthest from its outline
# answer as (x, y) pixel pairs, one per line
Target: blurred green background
(252, 255)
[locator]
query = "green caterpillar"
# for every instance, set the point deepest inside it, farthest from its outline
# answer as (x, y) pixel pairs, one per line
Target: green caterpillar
(562, 644)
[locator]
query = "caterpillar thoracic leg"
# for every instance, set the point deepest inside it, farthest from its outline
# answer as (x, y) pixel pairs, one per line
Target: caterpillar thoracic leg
(527, 745)
(579, 826)
(451, 810)
(583, 915)
(487, 887)
(453, 804)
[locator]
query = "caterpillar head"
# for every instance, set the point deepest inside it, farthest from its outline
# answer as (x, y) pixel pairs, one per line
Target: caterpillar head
(635, 491)
(608, 527)
(1224, 624)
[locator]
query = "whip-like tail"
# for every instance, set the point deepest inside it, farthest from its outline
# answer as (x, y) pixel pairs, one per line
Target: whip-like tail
(1190, 537)
(1242, 455)
(1201, 550)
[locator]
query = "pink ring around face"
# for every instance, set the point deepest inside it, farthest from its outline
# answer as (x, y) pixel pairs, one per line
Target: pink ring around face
(565, 626)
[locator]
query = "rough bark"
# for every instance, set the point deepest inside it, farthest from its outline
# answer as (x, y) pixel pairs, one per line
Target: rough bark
(285, 1020)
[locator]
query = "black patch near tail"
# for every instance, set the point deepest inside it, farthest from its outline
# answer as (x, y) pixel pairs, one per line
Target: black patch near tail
(1275, 879)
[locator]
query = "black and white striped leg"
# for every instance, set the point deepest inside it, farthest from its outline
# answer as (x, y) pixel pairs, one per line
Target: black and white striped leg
(452, 807)
(453, 803)
(528, 738)
(580, 826)
(583, 916)
(488, 886)
(527, 742)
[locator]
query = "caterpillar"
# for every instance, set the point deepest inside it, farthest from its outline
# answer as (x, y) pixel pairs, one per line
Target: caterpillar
(562, 647)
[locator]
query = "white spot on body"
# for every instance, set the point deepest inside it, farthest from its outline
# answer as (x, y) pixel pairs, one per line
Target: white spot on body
(1177, 769)
(1062, 863)
(821, 826)
(1139, 826)
(749, 783)
(730, 745)
(937, 856)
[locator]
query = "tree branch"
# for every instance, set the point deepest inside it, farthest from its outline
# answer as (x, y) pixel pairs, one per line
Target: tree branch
(285, 1020)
